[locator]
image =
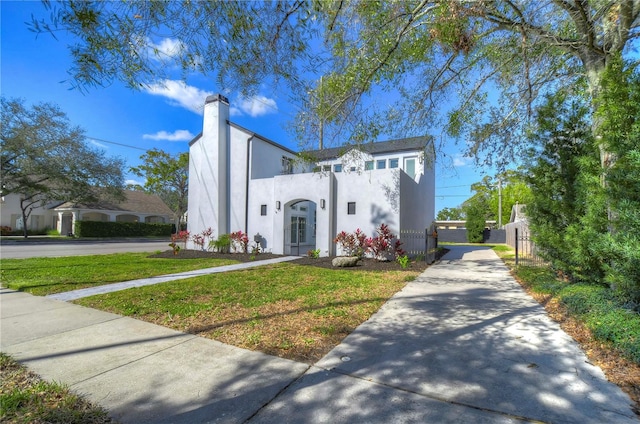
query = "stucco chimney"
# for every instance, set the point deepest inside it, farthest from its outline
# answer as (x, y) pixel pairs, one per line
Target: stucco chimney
(216, 138)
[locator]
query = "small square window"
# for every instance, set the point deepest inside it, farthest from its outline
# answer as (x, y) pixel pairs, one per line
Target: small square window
(263, 210)
(351, 208)
(326, 168)
(368, 165)
(337, 168)
(393, 163)
(381, 164)
(352, 169)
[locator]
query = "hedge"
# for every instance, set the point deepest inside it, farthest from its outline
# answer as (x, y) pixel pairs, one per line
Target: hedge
(121, 229)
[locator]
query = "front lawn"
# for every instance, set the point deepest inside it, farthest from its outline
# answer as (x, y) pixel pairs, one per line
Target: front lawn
(293, 311)
(42, 276)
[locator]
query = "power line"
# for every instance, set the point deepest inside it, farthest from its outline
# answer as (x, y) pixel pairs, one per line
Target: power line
(117, 144)
(456, 186)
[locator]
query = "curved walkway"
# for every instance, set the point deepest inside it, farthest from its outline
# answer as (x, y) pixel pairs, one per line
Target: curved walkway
(462, 343)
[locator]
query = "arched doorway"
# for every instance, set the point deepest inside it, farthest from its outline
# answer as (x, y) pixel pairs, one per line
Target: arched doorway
(299, 227)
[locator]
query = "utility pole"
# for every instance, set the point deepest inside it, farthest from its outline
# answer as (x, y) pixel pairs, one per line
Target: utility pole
(321, 135)
(499, 203)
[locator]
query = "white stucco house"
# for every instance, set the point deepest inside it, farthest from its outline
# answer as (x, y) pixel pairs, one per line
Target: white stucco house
(239, 180)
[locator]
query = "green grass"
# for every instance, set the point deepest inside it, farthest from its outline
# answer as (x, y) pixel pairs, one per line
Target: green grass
(293, 311)
(251, 288)
(42, 276)
(25, 398)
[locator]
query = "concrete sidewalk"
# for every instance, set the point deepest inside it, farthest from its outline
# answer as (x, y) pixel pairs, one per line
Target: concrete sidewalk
(462, 343)
(109, 288)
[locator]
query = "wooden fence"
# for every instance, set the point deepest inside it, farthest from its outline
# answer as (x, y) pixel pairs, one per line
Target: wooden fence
(420, 243)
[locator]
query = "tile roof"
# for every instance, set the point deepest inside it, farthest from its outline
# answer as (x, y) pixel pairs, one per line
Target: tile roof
(135, 201)
(398, 145)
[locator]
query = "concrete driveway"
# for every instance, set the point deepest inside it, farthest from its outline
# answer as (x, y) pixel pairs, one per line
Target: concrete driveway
(461, 344)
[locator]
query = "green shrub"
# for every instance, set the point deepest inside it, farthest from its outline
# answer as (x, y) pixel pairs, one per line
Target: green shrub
(605, 316)
(582, 299)
(540, 279)
(222, 244)
(120, 229)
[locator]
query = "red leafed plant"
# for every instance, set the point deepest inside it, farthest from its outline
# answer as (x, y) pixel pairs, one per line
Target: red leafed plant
(240, 241)
(352, 244)
(380, 247)
(180, 237)
(384, 244)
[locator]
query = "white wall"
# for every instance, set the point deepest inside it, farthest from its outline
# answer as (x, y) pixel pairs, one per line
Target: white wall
(239, 140)
(266, 159)
(314, 187)
(261, 194)
(40, 218)
(375, 194)
(417, 200)
(209, 182)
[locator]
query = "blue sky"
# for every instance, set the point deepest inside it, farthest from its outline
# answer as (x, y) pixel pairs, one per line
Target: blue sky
(166, 116)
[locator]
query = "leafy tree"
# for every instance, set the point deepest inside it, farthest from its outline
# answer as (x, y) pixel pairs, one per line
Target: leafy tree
(620, 113)
(167, 176)
(44, 159)
(476, 211)
(488, 62)
(450, 214)
(511, 185)
(563, 176)
(587, 229)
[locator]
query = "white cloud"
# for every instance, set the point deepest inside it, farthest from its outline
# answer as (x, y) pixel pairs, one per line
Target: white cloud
(177, 135)
(255, 106)
(459, 161)
(97, 144)
(180, 94)
(167, 47)
(134, 183)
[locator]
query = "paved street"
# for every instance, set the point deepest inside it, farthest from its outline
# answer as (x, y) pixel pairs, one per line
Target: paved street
(34, 248)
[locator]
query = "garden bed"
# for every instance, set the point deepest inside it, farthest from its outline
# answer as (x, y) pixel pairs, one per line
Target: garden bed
(324, 262)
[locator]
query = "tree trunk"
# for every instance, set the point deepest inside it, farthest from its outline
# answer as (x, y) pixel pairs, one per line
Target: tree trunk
(596, 67)
(25, 217)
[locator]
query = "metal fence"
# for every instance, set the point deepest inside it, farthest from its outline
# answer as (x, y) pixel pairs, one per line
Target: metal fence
(420, 243)
(526, 250)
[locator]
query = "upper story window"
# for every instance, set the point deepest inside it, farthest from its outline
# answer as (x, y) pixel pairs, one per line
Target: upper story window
(381, 164)
(287, 165)
(326, 168)
(393, 163)
(410, 166)
(368, 165)
(337, 167)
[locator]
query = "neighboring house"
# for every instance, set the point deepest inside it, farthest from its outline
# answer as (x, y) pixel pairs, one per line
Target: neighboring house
(518, 222)
(239, 180)
(136, 207)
